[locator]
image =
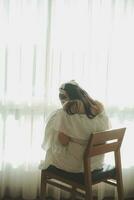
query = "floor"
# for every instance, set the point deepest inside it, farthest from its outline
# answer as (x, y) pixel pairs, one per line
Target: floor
(50, 198)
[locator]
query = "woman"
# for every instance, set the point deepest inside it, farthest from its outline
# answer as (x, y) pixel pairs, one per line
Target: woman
(69, 128)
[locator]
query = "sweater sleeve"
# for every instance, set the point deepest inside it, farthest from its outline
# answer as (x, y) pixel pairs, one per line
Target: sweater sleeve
(49, 132)
(63, 123)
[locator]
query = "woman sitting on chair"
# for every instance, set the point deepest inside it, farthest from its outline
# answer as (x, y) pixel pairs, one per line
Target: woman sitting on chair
(69, 128)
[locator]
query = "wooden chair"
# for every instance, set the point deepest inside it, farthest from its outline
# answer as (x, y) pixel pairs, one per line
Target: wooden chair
(99, 143)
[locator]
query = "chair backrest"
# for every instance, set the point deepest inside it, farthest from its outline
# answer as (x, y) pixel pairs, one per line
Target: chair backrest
(103, 142)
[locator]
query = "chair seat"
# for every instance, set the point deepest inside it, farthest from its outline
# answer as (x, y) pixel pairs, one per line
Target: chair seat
(107, 172)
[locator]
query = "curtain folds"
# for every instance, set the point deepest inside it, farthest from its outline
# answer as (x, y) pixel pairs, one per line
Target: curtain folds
(44, 43)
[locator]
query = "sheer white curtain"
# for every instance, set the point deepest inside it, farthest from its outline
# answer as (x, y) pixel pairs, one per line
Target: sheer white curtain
(23, 41)
(44, 43)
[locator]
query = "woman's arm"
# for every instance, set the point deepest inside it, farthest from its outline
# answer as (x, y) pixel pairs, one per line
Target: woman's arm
(64, 139)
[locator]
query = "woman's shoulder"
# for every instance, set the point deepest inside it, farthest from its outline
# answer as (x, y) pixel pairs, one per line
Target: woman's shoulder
(65, 117)
(59, 114)
(52, 115)
(103, 113)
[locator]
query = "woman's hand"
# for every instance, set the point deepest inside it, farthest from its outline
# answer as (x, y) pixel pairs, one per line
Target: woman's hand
(64, 139)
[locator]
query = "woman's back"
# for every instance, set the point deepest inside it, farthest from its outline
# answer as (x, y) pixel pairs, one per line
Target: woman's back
(79, 128)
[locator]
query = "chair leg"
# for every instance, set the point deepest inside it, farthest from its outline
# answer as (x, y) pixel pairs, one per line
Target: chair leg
(119, 176)
(89, 195)
(43, 186)
(120, 190)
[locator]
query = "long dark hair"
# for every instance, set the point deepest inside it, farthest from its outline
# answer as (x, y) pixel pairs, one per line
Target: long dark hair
(91, 107)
